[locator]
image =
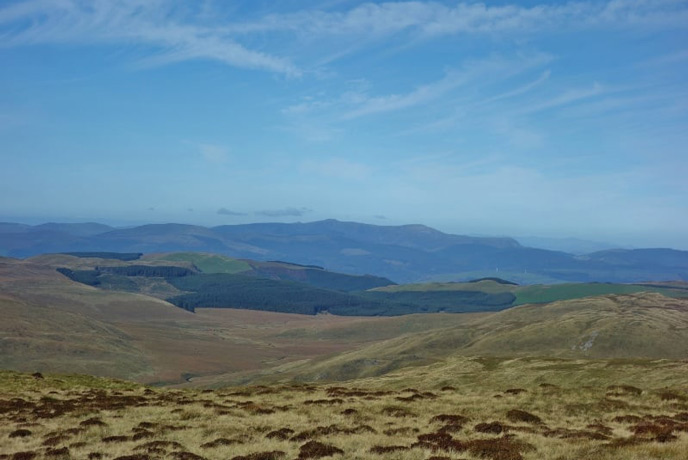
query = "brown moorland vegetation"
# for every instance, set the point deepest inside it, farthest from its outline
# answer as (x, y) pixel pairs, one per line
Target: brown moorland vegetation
(63, 417)
(53, 324)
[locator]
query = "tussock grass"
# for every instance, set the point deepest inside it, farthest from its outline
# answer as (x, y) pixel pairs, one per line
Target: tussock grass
(410, 415)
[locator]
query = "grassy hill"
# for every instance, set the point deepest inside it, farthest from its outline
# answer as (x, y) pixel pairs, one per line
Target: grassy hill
(198, 280)
(275, 270)
(646, 325)
(224, 282)
(50, 323)
(567, 291)
(598, 378)
(207, 263)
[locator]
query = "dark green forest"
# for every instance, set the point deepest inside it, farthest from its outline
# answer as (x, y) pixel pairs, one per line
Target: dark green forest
(317, 291)
(237, 291)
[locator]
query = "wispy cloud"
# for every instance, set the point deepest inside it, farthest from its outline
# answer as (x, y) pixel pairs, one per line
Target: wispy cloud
(434, 18)
(284, 212)
(521, 90)
(172, 33)
(420, 95)
(569, 96)
(357, 102)
(176, 31)
(229, 212)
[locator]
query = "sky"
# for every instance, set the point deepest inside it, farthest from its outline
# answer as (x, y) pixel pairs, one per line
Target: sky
(532, 117)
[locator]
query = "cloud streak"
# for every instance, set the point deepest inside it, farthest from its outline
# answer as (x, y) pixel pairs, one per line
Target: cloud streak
(356, 104)
(285, 212)
(436, 19)
(177, 32)
(229, 212)
(172, 35)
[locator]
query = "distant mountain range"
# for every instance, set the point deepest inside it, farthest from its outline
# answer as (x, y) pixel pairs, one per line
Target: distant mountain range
(401, 253)
(570, 245)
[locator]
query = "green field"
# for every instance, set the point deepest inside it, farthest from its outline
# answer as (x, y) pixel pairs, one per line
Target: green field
(209, 263)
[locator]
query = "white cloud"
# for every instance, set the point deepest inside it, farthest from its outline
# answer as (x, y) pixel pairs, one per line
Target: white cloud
(434, 18)
(156, 23)
(419, 95)
(523, 89)
(569, 96)
(177, 31)
(474, 72)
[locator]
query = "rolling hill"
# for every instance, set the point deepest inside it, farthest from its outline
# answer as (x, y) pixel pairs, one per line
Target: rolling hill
(52, 324)
(226, 282)
(644, 325)
(272, 286)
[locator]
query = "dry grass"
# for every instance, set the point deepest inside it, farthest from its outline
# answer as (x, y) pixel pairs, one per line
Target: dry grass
(86, 418)
(55, 325)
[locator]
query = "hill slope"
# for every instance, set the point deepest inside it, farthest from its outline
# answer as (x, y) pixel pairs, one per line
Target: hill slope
(645, 325)
(50, 323)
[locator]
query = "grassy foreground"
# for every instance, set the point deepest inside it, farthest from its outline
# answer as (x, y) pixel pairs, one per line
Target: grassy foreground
(466, 408)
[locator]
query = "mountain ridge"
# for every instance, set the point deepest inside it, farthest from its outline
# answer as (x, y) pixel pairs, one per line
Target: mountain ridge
(404, 253)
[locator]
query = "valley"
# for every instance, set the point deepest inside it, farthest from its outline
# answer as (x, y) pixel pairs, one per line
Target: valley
(101, 360)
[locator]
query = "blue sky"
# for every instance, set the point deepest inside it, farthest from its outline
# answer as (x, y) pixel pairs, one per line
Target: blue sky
(495, 118)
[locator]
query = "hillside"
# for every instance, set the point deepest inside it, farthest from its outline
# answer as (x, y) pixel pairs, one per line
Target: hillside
(645, 325)
(224, 282)
(275, 270)
(407, 253)
(493, 294)
(51, 323)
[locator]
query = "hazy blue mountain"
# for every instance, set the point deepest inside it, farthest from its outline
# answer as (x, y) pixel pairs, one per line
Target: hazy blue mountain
(571, 245)
(412, 236)
(401, 253)
(85, 229)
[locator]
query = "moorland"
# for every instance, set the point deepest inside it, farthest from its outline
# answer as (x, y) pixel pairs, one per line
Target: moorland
(198, 355)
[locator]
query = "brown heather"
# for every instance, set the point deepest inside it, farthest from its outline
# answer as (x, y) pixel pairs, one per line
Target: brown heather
(370, 419)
